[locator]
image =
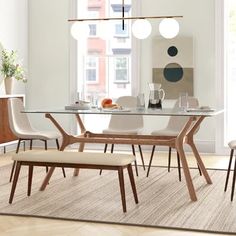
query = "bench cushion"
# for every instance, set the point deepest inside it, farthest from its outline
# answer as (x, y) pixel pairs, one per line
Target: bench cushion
(91, 158)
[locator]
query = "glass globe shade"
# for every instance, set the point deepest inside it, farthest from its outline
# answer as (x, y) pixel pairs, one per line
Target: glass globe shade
(79, 30)
(141, 28)
(169, 28)
(106, 30)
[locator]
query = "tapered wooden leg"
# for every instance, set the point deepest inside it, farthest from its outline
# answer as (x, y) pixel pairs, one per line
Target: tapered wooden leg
(47, 178)
(12, 170)
(141, 155)
(45, 144)
(46, 169)
(4, 149)
(169, 159)
(135, 162)
(112, 148)
(150, 162)
(122, 187)
(30, 176)
(14, 183)
(200, 172)
(233, 183)
(81, 149)
(63, 172)
(31, 144)
(57, 143)
(131, 177)
(179, 167)
(18, 146)
(229, 168)
(24, 146)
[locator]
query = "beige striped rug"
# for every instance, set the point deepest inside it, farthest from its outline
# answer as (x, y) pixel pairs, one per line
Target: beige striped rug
(164, 201)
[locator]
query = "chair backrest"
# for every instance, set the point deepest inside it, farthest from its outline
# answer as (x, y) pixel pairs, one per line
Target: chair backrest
(126, 122)
(18, 121)
(177, 122)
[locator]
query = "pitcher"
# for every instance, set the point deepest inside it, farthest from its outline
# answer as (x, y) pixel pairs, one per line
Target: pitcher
(156, 96)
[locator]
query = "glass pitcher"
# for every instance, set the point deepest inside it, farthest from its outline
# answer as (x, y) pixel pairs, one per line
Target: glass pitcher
(156, 96)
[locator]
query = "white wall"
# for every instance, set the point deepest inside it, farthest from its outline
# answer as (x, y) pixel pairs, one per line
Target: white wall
(198, 22)
(14, 33)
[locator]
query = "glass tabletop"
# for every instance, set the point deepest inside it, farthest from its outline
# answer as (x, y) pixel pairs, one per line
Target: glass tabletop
(131, 111)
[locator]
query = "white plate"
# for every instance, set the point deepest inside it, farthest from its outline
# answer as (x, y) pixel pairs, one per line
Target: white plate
(200, 109)
(77, 107)
(116, 110)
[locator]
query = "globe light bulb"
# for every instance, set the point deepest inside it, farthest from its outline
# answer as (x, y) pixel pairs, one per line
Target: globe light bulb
(79, 30)
(169, 28)
(141, 28)
(106, 30)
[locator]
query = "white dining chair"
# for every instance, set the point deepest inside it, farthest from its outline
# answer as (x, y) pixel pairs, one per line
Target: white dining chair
(173, 128)
(22, 129)
(126, 124)
(232, 146)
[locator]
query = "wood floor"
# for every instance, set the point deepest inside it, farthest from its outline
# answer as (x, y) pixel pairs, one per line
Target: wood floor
(24, 226)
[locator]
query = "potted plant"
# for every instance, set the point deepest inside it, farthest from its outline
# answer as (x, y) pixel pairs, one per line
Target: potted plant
(11, 69)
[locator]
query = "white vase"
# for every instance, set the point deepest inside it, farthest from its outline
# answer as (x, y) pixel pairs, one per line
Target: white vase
(9, 85)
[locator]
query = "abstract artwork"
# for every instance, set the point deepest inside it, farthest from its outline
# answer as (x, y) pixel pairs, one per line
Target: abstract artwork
(173, 65)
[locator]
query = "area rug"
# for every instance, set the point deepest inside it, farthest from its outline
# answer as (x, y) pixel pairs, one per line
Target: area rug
(163, 200)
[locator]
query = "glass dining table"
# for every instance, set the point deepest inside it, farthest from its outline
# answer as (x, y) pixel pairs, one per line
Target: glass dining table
(193, 121)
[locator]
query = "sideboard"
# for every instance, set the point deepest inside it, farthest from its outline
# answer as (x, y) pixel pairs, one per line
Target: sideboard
(6, 136)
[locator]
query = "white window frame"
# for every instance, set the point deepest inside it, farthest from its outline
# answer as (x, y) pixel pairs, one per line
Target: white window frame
(93, 14)
(127, 70)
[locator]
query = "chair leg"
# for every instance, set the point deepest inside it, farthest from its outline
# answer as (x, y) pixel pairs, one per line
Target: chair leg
(30, 176)
(233, 183)
(122, 188)
(141, 155)
(12, 170)
(14, 183)
(169, 159)
(150, 162)
(45, 144)
(179, 167)
(105, 150)
(63, 172)
(131, 177)
(31, 144)
(112, 148)
(18, 145)
(57, 143)
(135, 162)
(229, 167)
(200, 172)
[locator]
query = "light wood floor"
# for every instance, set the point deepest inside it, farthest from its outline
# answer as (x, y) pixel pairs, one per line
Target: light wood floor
(24, 226)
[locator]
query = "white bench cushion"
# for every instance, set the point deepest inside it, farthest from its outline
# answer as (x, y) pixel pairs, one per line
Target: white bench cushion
(91, 158)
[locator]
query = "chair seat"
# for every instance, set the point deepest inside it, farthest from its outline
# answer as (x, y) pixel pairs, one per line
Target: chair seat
(114, 131)
(165, 132)
(45, 135)
(232, 144)
(92, 158)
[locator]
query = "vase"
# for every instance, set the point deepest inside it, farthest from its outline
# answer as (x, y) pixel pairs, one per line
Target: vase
(9, 85)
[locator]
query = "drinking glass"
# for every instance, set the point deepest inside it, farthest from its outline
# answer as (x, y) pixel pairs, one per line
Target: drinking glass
(94, 100)
(141, 102)
(183, 101)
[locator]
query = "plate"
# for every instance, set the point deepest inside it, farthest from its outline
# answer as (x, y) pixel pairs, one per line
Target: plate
(115, 110)
(77, 107)
(200, 109)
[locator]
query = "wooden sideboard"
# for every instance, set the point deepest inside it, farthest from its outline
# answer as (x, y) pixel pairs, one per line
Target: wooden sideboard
(6, 136)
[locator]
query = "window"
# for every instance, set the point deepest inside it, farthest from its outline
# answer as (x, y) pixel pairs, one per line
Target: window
(119, 32)
(92, 29)
(92, 25)
(121, 70)
(91, 65)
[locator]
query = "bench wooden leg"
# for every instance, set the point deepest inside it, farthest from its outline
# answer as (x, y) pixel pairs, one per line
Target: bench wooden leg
(131, 177)
(30, 176)
(122, 187)
(14, 183)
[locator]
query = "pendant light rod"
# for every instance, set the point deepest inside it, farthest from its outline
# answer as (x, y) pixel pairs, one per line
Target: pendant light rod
(124, 18)
(123, 14)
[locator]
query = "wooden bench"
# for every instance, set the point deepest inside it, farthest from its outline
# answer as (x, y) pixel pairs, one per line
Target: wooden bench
(83, 160)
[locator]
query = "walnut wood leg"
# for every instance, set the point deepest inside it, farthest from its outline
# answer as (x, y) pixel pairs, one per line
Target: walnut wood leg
(14, 183)
(4, 149)
(57, 143)
(169, 159)
(141, 155)
(24, 146)
(131, 177)
(135, 162)
(112, 148)
(122, 187)
(150, 162)
(31, 144)
(180, 150)
(229, 167)
(45, 144)
(12, 170)
(200, 163)
(233, 183)
(179, 167)
(30, 176)
(47, 178)
(200, 172)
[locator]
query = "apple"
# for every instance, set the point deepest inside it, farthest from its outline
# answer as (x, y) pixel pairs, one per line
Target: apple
(105, 102)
